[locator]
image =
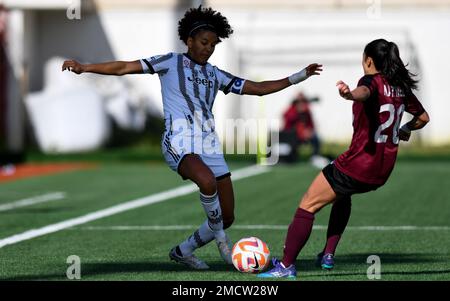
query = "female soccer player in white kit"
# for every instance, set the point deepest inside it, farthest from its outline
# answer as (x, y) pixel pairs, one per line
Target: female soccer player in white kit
(190, 145)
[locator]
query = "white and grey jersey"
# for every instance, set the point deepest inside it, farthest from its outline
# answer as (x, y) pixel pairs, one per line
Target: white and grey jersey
(189, 89)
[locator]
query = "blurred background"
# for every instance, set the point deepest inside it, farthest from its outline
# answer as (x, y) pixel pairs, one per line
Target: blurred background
(46, 113)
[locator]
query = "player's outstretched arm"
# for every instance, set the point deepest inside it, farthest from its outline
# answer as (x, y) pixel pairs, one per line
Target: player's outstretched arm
(267, 87)
(359, 94)
(109, 68)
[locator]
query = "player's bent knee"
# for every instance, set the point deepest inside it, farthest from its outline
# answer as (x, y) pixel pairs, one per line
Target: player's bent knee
(207, 185)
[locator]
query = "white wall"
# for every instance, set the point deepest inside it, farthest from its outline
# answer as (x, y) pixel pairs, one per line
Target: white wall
(334, 38)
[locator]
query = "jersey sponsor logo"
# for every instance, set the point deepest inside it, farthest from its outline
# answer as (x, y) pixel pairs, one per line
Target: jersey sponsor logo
(237, 86)
(201, 81)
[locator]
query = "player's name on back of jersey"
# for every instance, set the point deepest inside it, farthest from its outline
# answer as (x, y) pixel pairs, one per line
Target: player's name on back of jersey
(391, 91)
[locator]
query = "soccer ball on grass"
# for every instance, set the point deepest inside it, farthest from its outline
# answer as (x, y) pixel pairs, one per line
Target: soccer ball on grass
(250, 255)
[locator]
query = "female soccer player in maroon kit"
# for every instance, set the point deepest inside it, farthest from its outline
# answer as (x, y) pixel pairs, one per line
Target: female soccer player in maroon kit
(382, 95)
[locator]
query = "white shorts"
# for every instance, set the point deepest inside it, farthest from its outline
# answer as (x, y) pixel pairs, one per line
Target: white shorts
(207, 147)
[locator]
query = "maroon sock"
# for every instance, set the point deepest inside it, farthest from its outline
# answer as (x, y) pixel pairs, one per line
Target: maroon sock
(339, 216)
(331, 245)
(298, 233)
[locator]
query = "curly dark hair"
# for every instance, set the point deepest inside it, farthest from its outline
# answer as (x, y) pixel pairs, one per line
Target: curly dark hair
(196, 19)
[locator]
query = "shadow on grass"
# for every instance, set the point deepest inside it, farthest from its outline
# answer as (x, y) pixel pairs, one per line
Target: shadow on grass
(111, 268)
(389, 265)
(383, 273)
(346, 265)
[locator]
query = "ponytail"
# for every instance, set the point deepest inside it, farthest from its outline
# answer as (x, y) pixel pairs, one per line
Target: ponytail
(386, 58)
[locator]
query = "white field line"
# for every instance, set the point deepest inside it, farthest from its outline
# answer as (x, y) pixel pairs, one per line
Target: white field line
(54, 196)
(151, 199)
(261, 227)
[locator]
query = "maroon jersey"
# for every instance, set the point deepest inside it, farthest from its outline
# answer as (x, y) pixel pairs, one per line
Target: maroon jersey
(376, 121)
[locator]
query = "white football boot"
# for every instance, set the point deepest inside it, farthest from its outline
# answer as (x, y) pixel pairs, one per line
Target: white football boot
(189, 260)
(224, 246)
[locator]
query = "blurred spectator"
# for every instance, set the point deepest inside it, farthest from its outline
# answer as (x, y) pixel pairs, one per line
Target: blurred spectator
(298, 120)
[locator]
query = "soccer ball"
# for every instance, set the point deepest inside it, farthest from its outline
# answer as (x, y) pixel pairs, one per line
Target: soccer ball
(250, 255)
